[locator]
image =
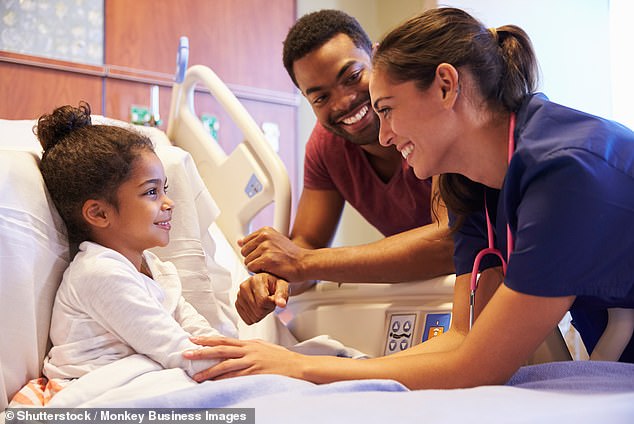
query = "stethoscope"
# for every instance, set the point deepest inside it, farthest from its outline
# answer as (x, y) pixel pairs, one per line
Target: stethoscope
(491, 250)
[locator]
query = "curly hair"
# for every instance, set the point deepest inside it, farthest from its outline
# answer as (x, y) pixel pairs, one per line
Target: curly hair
(82, 161)
(314, 29)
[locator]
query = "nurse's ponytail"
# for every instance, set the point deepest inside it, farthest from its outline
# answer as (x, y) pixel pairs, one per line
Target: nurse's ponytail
(519, 74)
(501, 61)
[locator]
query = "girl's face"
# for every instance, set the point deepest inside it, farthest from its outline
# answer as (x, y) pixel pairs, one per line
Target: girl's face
(142, 220)
(414, 121)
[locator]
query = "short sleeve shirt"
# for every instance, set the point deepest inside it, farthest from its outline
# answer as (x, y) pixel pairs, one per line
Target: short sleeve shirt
(568, 198)
(333, 163)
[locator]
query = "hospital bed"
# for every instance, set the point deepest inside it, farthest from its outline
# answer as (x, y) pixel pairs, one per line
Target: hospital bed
(213, 212)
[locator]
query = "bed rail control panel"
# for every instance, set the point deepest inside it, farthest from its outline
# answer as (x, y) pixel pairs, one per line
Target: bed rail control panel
(374, 318)
(400, 332)
(406, 329)
(435, 325)
(254, 186)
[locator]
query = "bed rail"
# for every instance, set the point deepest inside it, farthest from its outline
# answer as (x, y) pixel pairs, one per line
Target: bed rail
(258, 171)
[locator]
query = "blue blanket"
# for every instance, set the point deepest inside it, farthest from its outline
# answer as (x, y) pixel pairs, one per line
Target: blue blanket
(562, 392)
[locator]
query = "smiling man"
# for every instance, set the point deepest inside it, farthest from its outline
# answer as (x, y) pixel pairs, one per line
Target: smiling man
(328, 56)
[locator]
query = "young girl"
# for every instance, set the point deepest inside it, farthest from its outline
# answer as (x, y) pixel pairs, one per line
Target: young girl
(544, 188)
(116, 298)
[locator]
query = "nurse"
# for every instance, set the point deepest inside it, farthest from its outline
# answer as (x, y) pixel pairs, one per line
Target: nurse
(556, 185)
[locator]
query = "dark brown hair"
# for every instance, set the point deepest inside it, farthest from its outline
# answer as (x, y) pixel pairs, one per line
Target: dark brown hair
(501, 61)
(82, 161)
(315, 29)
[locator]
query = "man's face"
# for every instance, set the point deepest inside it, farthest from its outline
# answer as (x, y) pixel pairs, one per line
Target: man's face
(334, 79)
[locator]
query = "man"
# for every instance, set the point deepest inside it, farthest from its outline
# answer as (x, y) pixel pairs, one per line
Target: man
(328, 56)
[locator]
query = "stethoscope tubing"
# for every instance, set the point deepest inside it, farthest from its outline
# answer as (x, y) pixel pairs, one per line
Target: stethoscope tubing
(491, 250)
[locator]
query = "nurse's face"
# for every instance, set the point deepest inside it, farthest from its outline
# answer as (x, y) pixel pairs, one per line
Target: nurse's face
(414, 121)
(334, 79)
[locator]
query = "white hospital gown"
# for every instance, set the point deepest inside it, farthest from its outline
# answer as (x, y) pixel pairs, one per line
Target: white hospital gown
(106, 310)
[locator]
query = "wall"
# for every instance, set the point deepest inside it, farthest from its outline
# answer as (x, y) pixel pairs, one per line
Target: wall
(571, 40)
(622, 60)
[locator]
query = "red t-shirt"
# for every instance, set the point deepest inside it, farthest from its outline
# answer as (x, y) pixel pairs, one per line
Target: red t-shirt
(333, 163)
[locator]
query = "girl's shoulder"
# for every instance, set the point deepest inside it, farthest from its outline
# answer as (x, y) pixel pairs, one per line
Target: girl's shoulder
(94, 264)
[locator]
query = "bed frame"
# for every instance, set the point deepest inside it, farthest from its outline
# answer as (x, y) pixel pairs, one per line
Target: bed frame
(258, 174)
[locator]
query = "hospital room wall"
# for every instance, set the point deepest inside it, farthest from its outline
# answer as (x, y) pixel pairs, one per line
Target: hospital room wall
(571, 39)
(140, 41)
(572, 43)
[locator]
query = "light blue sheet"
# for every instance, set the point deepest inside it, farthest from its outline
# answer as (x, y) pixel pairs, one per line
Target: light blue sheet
(562, 393)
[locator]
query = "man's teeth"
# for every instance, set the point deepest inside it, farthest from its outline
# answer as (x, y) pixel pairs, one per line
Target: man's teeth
(357, 117)
(407, 150)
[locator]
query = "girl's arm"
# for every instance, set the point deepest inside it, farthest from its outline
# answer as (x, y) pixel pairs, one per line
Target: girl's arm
(114, 298)
(192, 322)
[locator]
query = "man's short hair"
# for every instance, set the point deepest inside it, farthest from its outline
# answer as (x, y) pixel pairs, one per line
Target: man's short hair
(314, 29)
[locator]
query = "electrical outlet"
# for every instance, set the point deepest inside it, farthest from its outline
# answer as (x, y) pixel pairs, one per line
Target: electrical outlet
(272, 135)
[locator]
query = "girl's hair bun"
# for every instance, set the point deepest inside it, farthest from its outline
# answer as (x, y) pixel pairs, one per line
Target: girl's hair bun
(53, 128)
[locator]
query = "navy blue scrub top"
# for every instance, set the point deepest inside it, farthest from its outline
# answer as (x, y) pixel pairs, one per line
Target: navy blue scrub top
(568, 197)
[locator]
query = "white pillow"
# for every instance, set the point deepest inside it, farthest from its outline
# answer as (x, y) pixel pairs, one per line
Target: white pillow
(33, 256)
(19, 135)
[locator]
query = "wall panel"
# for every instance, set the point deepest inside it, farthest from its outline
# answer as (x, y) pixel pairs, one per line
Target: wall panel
(240, 39)
(121, 94)
(28, 91)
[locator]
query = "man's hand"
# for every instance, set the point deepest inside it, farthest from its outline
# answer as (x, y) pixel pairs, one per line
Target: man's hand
(267, 250)
(259, 295)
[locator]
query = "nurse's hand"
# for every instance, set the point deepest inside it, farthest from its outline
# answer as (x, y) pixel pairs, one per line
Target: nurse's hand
(267, 250)
(243, 357)
(259, 295)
